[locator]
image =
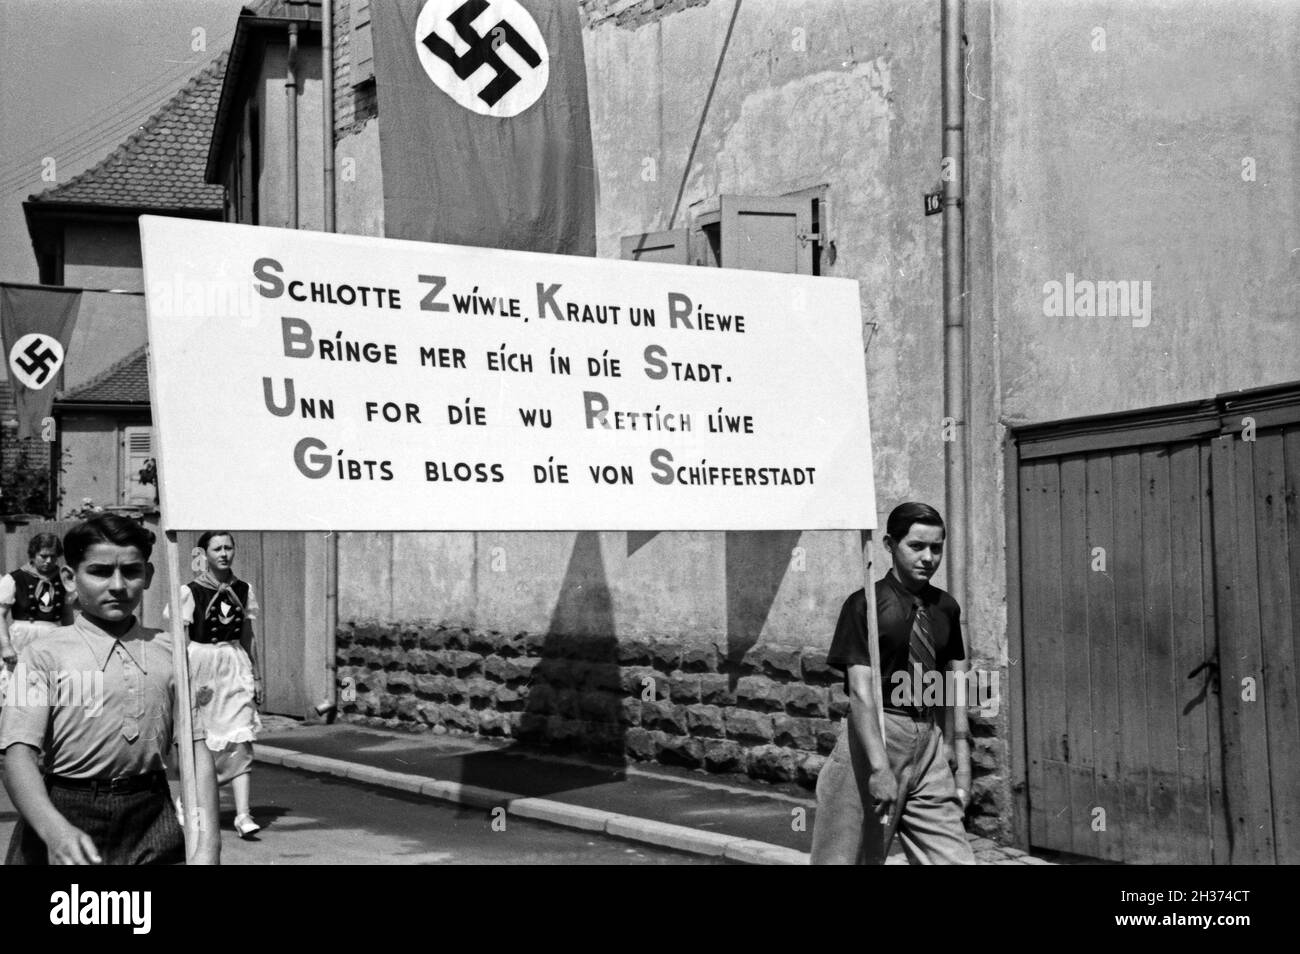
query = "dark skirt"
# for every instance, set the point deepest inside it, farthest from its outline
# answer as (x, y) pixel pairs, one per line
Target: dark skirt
(139, 828)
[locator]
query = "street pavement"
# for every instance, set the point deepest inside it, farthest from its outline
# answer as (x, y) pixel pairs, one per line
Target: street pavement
(346, 794)
(309, 819)
(738, 819)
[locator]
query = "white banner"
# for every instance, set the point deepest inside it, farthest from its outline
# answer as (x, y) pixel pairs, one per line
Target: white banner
(308, 381)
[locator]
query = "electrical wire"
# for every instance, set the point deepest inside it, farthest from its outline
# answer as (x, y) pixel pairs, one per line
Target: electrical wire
(150, 89)
(120, 126)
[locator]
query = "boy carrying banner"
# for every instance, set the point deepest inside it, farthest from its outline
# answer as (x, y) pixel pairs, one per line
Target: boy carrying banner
(104, 797)
(869, 782)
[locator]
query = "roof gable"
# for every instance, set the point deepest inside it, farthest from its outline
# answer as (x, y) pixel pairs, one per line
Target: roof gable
(161, 165)
(126, 382)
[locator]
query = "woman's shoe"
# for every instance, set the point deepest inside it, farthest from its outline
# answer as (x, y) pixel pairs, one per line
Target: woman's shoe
(246, 827)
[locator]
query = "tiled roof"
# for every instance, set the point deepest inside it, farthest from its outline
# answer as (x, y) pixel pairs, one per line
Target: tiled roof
(126, 382)
(161, 165)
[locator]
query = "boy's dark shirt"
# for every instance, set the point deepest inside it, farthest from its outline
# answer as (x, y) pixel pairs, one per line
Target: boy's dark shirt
(895, 607)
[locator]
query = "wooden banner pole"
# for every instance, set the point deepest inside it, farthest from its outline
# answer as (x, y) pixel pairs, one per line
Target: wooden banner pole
(873, 629)
(183, 722)
(184, 727)
(873, 647)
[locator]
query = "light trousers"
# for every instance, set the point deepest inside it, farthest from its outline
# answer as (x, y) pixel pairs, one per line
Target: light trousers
(847, 831)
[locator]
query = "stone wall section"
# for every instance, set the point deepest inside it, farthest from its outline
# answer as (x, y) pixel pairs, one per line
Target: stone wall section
(773, 714)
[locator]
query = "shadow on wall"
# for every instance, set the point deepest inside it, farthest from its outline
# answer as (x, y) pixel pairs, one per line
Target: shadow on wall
(575, 699)
(579, 688)
(756, 563)
(584, 696)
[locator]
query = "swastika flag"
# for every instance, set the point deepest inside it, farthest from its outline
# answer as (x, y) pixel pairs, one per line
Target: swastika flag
(485, 138)
(36, 324)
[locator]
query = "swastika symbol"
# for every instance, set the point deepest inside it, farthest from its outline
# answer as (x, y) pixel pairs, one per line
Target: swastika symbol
(34, 360)
(38, 361)
(483, 50)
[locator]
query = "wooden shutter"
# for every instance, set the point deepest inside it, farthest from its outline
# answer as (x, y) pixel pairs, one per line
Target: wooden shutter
(137, 450)
(767, 233)
(671, 247)
(361, 43)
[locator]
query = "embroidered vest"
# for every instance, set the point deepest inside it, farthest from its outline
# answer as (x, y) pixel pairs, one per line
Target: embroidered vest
(48, 606)
(221, 623)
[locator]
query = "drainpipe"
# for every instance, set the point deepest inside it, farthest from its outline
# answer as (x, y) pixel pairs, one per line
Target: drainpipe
(291, 123)
(327, 106)
(956, 492)
(328, 709)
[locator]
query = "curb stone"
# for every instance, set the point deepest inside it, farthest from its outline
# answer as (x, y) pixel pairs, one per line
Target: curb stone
(386, 778)
(761, 853)
(560, 813)
(629, 827)
(667, 835)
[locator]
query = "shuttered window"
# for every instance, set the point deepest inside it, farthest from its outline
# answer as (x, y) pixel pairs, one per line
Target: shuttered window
(361, 42)
(137, 452)
(767, 233)
(760, 233)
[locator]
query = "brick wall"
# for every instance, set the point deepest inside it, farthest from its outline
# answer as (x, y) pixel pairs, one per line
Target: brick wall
(631, 14)
(772, 714)
(352, 106)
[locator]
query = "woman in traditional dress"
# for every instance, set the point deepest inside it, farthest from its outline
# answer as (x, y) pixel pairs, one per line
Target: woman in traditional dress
(219, 609)
(32, 599)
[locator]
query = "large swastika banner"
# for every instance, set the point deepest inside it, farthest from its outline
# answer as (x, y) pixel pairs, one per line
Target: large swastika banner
(486, 138)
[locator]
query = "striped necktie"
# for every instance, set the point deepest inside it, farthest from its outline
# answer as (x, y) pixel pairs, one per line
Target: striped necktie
(920, 648)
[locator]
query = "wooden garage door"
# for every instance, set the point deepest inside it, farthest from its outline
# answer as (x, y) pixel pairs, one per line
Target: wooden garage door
(1257, 557)
(1117, 604)
(1159, 598)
